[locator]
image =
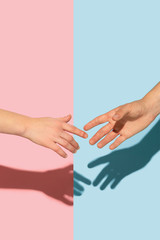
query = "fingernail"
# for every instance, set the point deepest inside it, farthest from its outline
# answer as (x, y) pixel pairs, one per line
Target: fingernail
(99, 146)
(78, 147)
(86, 135)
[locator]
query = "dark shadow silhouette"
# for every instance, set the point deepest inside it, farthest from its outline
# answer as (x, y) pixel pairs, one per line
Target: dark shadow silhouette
(121, 163)
(57, 183)
(78, 188)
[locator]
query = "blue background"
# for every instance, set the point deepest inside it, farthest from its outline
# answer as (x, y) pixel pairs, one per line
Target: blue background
(117, 60)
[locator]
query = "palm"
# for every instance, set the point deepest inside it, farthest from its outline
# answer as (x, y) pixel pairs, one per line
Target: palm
(130, 126)
(133, 119)
(58, 184)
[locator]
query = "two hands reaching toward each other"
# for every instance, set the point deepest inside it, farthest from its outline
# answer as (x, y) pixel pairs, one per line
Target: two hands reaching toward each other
(122, 123)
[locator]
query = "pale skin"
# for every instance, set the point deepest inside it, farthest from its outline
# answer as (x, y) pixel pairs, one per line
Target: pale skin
(52, 133)
(126, 120)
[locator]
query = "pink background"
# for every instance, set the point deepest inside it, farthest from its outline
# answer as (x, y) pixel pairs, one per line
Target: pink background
(36, 74)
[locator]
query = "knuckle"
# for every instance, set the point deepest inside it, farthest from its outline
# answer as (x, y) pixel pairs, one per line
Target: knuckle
(102, 118)
(70, 138)
(56, 148)
(65, 144)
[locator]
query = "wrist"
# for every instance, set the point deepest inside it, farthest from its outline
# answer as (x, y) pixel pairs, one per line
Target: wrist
(26, 127)
(152, 101)
(152, 105)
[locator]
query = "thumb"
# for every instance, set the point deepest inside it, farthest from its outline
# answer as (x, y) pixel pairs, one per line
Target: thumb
(66, 118)
(121, 112)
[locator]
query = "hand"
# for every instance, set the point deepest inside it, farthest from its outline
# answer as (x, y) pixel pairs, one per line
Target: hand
(58, 184)
(52, 132)
(123, 122)
(119, 164)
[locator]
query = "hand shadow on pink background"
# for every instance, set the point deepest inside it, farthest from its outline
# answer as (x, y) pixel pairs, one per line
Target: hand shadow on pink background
(57, 183)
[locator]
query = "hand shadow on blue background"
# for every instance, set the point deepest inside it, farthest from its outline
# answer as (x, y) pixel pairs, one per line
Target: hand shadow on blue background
(121, 163)
(78, 187)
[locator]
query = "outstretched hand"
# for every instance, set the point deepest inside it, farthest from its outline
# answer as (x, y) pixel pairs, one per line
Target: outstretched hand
(118, 165)
(122, 123)
(53, 133)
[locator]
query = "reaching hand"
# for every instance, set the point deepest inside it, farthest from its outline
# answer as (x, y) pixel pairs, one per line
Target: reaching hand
(58, 184)
(123, 122)
(52, 132)
(118, 165)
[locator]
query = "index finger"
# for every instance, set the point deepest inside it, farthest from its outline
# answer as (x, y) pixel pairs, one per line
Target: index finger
(75, 130)
(96, 121)
(81, 178)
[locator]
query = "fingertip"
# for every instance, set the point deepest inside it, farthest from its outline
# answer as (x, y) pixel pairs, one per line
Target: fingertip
(88, 165)
(94, 184)
(91, 142)
(69, 116)
(85, 128)
(99, 145)
(85, 135)
(111, 147)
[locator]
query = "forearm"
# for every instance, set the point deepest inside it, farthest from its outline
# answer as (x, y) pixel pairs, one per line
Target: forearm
(13, 123)
(19, 179)
(152, 100)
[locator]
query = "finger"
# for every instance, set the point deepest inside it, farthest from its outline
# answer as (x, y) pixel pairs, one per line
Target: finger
(109, 137)
(115, 183)
(75, 130)
(81, 178)
(78, 186)
(67, 201)
(100, 176)
(69, 167)
(66, 144)
(117, 142)
(77, 193)
(106, 182)
(57, 149)
(121, 112)
(99, 161)
(66, 118)
(96, 121)
(70, 139)
(101, 133)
